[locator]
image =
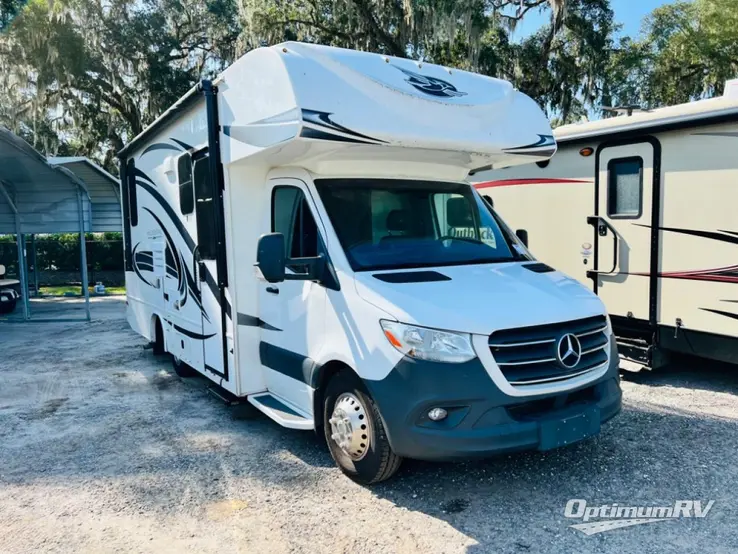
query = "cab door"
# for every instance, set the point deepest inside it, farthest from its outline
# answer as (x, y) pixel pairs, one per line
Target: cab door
(622, 226)
(292, 312)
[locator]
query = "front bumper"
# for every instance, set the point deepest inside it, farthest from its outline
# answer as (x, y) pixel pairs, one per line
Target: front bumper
(482, 420)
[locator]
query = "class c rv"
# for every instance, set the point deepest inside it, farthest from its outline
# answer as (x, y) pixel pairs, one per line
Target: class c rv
(641, 209)
(300, 231)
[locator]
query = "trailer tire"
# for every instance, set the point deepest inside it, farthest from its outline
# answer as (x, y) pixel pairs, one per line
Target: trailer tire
(182, 369)
(372, 459)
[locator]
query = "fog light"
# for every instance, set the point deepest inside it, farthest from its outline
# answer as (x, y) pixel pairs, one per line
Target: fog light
(437, 414)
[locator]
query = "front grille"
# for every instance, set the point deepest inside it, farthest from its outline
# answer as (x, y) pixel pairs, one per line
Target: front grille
(528, 355)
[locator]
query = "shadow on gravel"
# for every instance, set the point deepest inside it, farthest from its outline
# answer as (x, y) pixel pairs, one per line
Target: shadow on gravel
(689, 372)
(515, 503)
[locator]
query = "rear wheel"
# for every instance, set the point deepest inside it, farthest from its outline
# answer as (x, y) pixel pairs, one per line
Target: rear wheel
(182, 369)
(355, 433)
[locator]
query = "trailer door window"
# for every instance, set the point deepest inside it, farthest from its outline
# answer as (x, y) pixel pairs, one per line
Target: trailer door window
(625, 188)
(207, 240)
(184, 176)
(292, 217)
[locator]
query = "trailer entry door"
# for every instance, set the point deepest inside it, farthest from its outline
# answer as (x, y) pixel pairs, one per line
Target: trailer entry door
(624, 199)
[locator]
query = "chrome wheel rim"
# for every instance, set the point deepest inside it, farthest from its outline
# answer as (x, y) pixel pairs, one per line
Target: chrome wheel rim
(350, 426)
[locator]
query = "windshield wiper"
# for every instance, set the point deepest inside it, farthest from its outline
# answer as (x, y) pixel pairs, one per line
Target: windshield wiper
(464, 239)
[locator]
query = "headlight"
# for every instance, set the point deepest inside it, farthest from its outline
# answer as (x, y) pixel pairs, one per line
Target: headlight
(429, 344)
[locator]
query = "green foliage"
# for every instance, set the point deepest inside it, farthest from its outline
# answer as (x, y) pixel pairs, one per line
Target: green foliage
(61, 252)
(97, 73)
(688, 51)
(82, 77)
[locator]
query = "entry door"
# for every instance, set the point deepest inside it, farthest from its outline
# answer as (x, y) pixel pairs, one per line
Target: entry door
(292, 313)
(623, 228)
(209, 249)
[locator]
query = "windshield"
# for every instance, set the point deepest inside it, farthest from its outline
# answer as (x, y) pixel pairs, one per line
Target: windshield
(393, 224)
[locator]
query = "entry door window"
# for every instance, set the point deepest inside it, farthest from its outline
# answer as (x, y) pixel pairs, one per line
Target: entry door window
(625, 188)
(207, 240)
(292, 217)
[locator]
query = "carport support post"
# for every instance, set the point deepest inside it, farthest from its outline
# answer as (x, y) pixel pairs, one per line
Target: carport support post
(21, 251)
(35, 267)
(83, 253)
(22, 267)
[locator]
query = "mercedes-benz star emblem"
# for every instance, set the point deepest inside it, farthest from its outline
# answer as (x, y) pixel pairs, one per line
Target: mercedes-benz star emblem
(569, 351)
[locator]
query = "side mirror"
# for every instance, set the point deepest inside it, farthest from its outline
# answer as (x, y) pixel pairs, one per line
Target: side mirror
(270, 257)
(2, 270)
(522, 234)
(488, 200)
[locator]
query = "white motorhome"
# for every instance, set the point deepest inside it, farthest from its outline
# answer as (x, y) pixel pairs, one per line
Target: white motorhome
(640, 208)
(301, 233)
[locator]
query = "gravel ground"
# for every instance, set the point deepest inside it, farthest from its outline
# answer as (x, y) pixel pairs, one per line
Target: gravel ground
(103, 449)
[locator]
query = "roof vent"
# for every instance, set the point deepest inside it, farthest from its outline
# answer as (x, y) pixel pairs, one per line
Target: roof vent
(731, 89)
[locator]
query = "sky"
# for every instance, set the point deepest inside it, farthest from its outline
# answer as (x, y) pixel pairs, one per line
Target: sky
(629, 13)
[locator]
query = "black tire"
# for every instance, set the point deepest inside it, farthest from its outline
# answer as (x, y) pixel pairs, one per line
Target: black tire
(182, 369)
(8, 307)
(158, 339)
(379, 462)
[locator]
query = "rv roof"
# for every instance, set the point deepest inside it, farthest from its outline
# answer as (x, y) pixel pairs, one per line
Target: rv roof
(306, 104)
(681, 115)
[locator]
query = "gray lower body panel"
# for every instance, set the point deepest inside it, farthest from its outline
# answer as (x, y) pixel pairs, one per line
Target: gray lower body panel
(482, 420)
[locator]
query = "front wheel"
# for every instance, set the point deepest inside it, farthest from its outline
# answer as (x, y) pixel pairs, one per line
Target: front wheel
(355, 433)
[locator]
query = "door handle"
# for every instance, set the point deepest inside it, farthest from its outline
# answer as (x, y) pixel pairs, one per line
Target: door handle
(201, 271)
(602, 225)
(272, 290)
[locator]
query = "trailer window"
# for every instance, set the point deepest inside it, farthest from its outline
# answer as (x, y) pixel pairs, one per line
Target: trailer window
(292, 217)
(625, 188)
(184, 176)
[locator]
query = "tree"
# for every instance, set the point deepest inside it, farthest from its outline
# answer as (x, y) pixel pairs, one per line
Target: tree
(404, 28)
(688, 51)
(100, 72)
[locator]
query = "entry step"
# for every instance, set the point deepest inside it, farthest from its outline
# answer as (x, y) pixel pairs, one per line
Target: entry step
(280, 412)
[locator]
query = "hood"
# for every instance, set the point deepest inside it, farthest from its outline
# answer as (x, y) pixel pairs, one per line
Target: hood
(478, 299)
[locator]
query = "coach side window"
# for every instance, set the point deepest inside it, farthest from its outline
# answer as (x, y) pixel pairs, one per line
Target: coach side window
(625, 188)
(184, 177)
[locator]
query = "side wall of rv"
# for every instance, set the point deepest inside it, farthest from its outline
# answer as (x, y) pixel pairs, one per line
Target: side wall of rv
(172, 246)
(690, 174)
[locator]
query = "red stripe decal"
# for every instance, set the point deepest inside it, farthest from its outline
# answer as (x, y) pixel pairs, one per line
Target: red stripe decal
(536, 181)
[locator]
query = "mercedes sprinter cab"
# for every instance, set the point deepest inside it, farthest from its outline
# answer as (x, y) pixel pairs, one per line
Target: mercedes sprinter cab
(301, 233)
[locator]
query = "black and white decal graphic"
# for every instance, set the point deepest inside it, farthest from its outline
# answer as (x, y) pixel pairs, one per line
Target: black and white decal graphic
(319, 125)
(431, 85)
(178, 147)
(544, 146)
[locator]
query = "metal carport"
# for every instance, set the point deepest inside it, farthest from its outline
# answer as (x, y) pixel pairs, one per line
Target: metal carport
(37, 197)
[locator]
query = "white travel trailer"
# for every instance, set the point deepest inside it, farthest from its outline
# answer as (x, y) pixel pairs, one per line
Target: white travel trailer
(640, 208)
(300, 232)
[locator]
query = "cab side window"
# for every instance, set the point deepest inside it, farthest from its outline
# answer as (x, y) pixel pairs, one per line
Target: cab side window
(292, 217)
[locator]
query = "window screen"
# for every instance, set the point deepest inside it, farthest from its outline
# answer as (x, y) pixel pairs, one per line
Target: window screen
(184, 176)
(207, 239)
(625, 188)
(132, 193)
